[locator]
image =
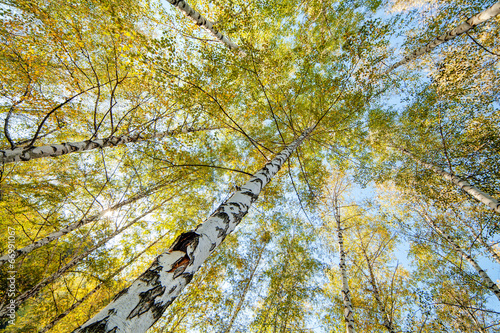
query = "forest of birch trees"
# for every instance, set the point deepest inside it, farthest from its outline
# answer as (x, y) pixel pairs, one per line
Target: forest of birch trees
(250, 166)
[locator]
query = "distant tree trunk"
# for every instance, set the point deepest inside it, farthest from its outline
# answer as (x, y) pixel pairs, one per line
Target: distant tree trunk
(463, 184)
(346, 294)
(93, 291)
(19, 300)
(201, 21)
(73, 226)
(462, 28)
(245, 290)
(23, 154)
(138, 307)
(489, 248)
(376, 294)
(492, 286)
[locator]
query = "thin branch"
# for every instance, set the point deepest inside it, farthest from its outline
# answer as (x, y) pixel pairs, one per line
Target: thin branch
(481, 46)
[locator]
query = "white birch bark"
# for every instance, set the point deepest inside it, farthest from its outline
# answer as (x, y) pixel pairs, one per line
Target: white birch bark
(73, 226)
(484, 242)
(30, 153)
(492, 286)
(203, 22)
(138, 307)
(19, 300)
(462, 28)
(346, 294)
(462, 183)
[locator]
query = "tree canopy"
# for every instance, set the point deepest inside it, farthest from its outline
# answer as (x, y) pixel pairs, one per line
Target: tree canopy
(127, 124)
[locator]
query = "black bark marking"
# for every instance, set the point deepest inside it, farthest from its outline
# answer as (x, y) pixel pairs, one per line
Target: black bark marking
(238, 215)
(172, 289)
(147, 301)
(221, 231)
(221, 214)
(151, 276)
(98, 327)
(182, 242)
(120, 294)
(112, 312)
(159, 308)
(212, 247)
(241, 206)
(252, 195)
(188, 277)
(73, 148)
(266, 172)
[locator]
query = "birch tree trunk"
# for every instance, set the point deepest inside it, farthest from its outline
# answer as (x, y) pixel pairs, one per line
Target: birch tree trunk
(203, 22)
(346, 294)
(245, 291)
(23, 154)
(19, 300)
(462, 28)
(484, 242)
(55, 235)
(463, 184)
(93, 291)
(492, 286)
(138, 307)
(376, 294)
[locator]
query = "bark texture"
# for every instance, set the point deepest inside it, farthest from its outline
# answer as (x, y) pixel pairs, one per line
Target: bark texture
(346, 294)
(203, 22)
(30, 153)
(462, 28)
(492, 286)
(138, 307)
(462, 183)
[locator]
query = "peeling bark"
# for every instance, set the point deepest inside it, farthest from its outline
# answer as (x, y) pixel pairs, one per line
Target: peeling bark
(462, 28)
(203, 22)
(492, 286)
(24, 154)
(462, 183)
(146, 299)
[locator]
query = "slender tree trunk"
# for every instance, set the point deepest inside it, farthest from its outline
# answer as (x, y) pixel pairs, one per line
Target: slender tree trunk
(93, 291)
(201, 21)
(245, 291)
(30, 153)
(138, 307)
(55, 235)
(462, 28)
(19, 300)
(484, 242)
(492, 286)
(346, 294)
(376, 294)
(462, 183)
